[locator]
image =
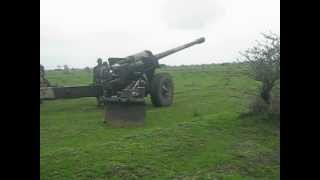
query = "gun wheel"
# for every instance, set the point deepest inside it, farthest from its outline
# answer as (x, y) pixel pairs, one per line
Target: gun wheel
(162, 90)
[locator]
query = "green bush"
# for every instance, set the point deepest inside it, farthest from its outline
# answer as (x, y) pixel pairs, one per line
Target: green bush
(275, 100)
(258, 106)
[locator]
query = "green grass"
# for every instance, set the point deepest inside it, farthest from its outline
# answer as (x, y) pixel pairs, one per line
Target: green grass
(203, 135)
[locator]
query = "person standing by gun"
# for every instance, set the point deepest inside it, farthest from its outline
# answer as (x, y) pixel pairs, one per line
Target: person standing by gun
(105, 71)
(43, 79)
(105, 76)
(97, 79)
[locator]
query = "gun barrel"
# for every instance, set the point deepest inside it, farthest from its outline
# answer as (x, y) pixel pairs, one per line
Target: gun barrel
(179, 48)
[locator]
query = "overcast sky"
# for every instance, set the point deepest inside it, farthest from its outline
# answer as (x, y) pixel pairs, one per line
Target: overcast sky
(77, 32)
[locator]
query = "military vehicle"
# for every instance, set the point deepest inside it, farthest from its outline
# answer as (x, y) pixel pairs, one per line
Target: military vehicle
(126, 85)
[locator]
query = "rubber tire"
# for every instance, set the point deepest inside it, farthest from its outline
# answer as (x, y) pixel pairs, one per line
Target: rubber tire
(157, 98)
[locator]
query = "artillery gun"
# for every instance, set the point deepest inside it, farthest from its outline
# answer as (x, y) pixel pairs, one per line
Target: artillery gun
(126, 85)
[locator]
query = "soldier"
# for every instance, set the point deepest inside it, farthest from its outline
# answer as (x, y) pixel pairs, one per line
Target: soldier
(97, 78)
(96, 72)
(43, 80)
(105, 71)
(41, 71)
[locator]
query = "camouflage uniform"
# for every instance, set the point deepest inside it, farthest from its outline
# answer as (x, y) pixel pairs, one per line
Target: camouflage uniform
(43, 79)
(105, 71)
(41, 70)
(96, 72)
(41, 73)
(97, 79)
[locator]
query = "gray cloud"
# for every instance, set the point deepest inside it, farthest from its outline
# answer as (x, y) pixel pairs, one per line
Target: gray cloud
(78, 39)
(191, 14)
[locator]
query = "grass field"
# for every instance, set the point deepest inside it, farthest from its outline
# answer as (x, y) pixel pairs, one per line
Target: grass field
(203, 135)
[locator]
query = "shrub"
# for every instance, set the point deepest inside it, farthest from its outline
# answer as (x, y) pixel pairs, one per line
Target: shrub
(258, 106)
(264, 64)
(275, 100)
